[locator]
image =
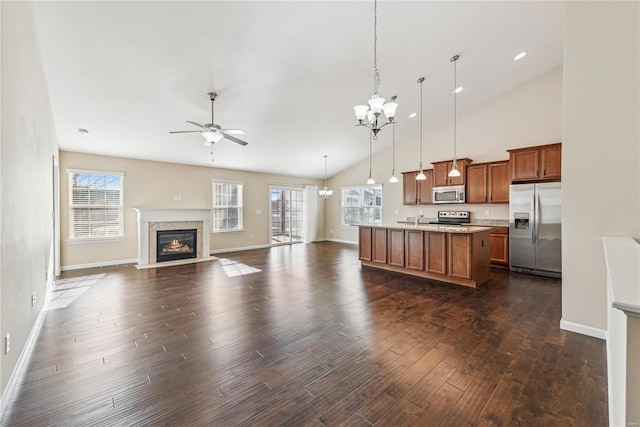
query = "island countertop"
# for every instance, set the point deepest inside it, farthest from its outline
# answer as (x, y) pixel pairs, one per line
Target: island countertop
(462, 229)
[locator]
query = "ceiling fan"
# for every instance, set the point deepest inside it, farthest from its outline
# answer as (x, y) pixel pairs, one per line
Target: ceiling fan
(213, 133)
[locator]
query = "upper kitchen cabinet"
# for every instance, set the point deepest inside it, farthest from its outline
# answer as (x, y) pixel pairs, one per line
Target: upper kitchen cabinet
(488, 182)
(441, 170)
(416, 192)
(539, 163)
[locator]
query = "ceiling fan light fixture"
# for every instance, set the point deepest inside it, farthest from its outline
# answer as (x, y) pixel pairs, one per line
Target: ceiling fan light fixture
(212, 137)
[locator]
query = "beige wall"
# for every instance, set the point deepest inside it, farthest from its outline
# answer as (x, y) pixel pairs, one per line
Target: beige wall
(150, 184)
(527, 115)
(28, 145)
(601, 150)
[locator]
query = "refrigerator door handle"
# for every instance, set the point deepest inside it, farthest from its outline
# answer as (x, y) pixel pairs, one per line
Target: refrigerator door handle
(538, 214)
(533, 219)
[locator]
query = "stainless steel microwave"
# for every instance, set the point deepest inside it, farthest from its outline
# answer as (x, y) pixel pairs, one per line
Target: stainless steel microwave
(450, 194)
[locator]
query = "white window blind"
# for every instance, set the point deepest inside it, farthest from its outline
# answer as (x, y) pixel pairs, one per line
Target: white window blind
(227, 206)
(95, 205)
(362, 205)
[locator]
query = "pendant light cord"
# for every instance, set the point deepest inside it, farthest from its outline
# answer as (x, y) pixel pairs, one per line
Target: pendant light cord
(325, 171)
(370, 149)
(393, 149)
(421, 124)
(455, 108)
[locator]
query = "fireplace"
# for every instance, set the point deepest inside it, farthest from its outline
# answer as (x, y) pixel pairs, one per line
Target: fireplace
(176, 244)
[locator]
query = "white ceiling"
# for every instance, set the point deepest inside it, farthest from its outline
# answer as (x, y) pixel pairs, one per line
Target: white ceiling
(288, 73)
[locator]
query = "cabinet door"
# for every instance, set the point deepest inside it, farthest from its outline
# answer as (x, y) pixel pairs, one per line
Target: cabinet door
(477, 184)
(499, 245)
(524, 164)
(409, 186)
(379, 237)
(551, 160)
(440, 173)
(414, 251)
(364, 240)
(396, 247)
(498, 185)
(425, 189)
(435, 245)
(460, 255)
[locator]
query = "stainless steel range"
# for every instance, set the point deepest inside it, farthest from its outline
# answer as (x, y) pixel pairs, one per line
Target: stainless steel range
(452, 218)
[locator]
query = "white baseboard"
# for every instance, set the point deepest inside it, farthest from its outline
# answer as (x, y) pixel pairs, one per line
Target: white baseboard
(242, 248)
(583, 329)
(16, 375)
(349, 242)
(98, 264)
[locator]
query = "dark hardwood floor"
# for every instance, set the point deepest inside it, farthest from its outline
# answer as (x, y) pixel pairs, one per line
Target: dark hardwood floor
(301, 335)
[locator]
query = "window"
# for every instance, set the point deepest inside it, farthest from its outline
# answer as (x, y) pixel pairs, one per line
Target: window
(95, 205)
(362, 205)
(227, 206)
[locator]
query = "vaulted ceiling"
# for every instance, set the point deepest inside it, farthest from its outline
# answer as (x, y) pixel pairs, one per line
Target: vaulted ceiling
(288, 73)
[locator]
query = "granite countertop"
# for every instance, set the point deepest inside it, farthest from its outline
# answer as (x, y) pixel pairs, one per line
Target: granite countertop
(431, 227)
(474, 222)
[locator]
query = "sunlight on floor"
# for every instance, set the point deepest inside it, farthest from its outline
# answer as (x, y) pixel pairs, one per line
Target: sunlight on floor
(67, 290)
(234, 268)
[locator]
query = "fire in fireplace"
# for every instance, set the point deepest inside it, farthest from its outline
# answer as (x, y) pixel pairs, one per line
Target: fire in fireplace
(176, 244)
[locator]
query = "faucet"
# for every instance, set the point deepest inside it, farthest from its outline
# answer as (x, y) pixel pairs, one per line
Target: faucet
(418, 219)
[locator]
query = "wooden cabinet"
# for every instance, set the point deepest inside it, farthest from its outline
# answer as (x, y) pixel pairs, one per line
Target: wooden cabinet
(488, 182)
(416, 192)
(498, 185)
(364, 243)
(379, 246)
(499, 244)
(537, 163)
(441, 172)
(396, 247)
(460, 255)
(414, 250)
(435, 245)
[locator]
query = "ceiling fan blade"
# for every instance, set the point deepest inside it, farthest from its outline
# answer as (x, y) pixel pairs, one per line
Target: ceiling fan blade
(185, 131)
(233, 131)
(234, 139)
(197, 124)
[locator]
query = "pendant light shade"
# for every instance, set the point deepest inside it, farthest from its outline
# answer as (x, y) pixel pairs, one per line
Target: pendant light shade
(454, 168)
(325, 193)
(421, 176)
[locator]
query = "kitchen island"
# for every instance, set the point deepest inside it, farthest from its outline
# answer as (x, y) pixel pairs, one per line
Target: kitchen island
(452, 254)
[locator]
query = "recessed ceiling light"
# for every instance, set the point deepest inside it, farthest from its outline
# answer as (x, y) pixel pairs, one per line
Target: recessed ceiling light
(83, 131)
(458, 89)
(519, 56)
(412, 115)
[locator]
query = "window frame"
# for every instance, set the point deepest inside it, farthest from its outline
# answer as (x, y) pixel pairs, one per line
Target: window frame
(240, 206)
(71, 206)
(361, 207)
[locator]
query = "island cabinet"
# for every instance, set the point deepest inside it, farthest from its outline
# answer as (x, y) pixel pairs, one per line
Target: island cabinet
(447, 254)
(539, 163)
(441, 171)
(488, 182)
(414, 250)
(416, 192)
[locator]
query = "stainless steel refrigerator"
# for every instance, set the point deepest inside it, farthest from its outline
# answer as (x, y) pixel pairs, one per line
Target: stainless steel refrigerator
(535, 240)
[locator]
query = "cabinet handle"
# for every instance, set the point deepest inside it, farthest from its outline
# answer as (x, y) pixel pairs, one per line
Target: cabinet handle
(544, 172)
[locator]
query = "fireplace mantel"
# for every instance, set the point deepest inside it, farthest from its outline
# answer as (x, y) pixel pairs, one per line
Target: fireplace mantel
(147, 216)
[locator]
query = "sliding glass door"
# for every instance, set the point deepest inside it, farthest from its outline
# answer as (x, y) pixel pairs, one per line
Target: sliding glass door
(287, 219)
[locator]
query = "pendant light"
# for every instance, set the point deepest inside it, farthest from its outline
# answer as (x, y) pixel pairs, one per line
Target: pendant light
(325, 193)
(393, 178)
(370, 181)
(369, 116)
(421, 176)
(454, 168)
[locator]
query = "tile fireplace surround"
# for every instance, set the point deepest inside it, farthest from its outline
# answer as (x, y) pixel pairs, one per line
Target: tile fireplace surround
(151, 220)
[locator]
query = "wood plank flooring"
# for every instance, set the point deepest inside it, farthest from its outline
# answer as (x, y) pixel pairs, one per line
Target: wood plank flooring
(301, 335)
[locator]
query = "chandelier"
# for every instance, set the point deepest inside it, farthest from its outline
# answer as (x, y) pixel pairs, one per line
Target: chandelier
(325, 193)
(369, 115)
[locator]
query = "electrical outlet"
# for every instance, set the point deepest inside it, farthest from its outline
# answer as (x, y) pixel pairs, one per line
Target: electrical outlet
(258, 212)
(396, 212)
(331, 232)
(486, 212)
(7, 343)
(250, 236)
(421, 212)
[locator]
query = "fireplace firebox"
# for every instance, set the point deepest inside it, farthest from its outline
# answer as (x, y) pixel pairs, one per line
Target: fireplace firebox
(176, 244)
